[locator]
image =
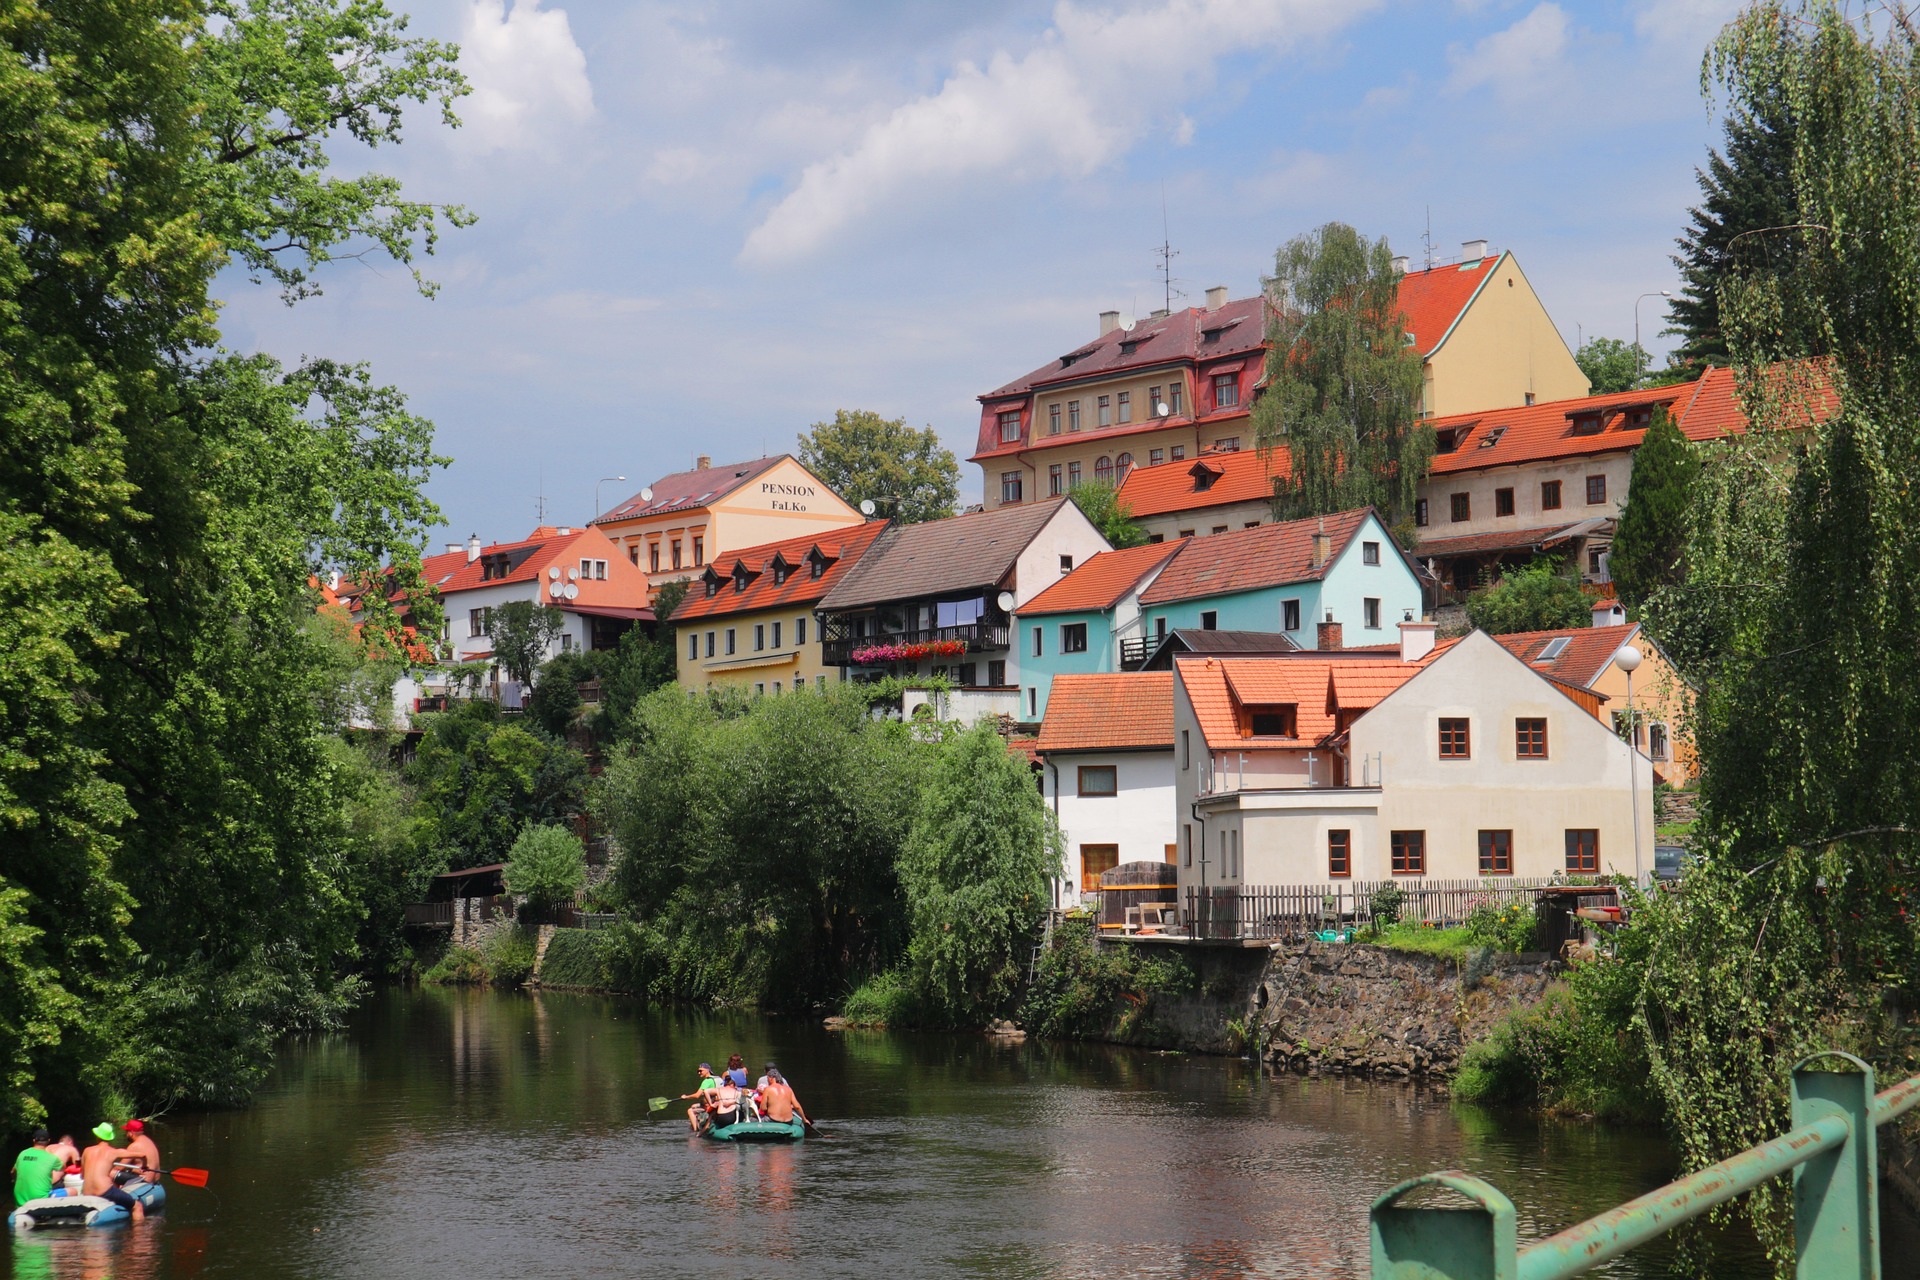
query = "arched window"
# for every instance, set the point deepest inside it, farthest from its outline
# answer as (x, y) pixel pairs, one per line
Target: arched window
(1103, 470)
(1122, 465)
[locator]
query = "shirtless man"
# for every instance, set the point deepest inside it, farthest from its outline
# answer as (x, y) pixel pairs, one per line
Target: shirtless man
(96, 1172)
(778, 1102)
(140, 1149)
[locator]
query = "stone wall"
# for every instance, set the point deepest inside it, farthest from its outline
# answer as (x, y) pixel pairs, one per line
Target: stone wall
(474, 924)
(1364, 1010)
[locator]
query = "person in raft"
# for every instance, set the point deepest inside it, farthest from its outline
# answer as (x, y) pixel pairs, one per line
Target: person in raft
(35, 1170)
(142, 1159)
(703, 1095)
(778, 1102)
(726, 1103)
(97, 1167)
(737, 1071)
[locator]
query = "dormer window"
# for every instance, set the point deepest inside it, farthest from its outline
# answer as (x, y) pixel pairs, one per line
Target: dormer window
(1203, 476)
(1010, 426)
(1587, 424)
(781, 570)
(1273, 720)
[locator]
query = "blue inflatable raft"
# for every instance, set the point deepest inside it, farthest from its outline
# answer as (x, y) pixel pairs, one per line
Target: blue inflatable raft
(86, 1211)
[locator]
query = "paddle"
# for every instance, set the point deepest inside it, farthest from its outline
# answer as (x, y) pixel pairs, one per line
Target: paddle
(811, 1132)
(185, 1177)
(658, 1104)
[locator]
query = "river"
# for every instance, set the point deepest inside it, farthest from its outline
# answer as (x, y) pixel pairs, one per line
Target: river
(476, 1134)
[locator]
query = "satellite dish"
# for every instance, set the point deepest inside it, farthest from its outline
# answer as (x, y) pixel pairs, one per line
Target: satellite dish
(553, 571)
(1161, 409)
(571, 590)
(1006, 602)
(554, 589)
(572, 574)
(866, 506)
(1127, 323)
(646, 495)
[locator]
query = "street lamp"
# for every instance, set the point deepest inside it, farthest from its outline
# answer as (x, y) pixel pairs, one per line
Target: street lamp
(1657, 293)
(1628, 660)
(596, 492)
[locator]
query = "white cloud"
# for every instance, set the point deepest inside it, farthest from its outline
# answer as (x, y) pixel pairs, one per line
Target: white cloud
(1516, 61)
(527, 74)
(1687, 25)
(1094, 84)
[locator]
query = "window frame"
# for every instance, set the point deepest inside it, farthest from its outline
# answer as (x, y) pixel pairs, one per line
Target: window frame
(1407, 853)
(1010, 487)
(1503, 504)
(1420, 513)
(1550, 497)
(1456, 737)
(1090, 882)
(1039, 642)
(1053, 418)
(1370, 613)
(1583, 851)
(1597, 485)
(1530, 737)
(1009, 418)
(1460, 507)
(1496, 852)
(1073, 416)
(1226, 390)
(1103, 411)
(1289, 615)
(1340, 854)
(1369, 553)
(1112, 771)
(1073, 637)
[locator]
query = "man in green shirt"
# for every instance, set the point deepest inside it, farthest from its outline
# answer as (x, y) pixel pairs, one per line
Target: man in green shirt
(709, 1085)
(35, 1170)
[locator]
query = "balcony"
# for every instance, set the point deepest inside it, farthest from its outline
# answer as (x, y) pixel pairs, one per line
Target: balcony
(979, 637)
(1135, 650)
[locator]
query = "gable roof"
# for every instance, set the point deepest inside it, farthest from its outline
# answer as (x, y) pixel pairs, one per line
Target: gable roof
(1188, 335)
(687, 490)
(1580, 661)
(940, 557)
(840, 549)
(1249, 559)
(526, 559)
(1183, 640)
(1239, 476)
(1109, 712)
(1103, 580)
(1320, 686)
(1434, 298)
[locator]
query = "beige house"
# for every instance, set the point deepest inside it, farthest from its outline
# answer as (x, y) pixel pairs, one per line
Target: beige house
(677, 525)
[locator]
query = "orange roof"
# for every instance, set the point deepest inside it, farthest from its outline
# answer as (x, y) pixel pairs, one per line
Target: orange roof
(1240, 476)
(713, 595)
(1580, 660)
(1126, 711)
(1249, 559)
(1320, 686)
(1435, 298)
(540, 556)
(1101, 582)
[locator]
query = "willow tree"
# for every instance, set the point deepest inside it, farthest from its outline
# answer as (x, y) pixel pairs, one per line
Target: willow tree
(1343, 380)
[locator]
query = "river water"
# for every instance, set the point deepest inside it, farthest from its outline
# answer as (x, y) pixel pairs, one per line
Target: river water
(476, 1134)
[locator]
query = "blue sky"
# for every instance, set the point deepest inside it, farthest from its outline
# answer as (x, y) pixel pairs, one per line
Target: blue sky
(703, 227)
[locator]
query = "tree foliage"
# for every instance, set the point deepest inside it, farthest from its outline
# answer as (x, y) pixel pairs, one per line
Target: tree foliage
(862, 455)
(1540, 597)
(547, 864)
(1343, 379)
(522, 632)
(1611, 365)
(1650, 543)
(1101, 503)
(482, 777)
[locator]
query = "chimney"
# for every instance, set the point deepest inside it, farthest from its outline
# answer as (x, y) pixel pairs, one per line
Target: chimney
(565, 530)
(1216, 297)
(1473, 250)
(702, 462)
(1322, 544)
(1400, 264)
(1109, 321)
(453, 548)
(333, 580)
(1416, 638)
(1327, 633)
(473, 547)
(1159, 314)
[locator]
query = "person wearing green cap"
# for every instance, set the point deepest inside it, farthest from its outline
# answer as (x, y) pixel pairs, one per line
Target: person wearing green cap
(96, 1172)
(35, 1169)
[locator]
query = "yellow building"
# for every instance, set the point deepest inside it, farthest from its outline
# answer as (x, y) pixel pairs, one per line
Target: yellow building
(748, 620)
(680, 523)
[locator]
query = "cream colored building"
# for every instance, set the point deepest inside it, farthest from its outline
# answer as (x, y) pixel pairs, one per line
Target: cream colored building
(680, 523)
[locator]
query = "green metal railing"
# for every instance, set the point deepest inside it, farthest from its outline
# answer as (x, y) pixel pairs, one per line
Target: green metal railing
(1831, 1151)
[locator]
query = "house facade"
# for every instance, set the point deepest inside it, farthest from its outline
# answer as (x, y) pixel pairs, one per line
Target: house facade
(1344, 569)
(1106, 751)
(1079, 624)
(1448, 763)
(747, 621)
(680, 523)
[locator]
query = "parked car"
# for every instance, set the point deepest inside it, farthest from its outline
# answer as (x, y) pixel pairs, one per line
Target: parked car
(1670, 861)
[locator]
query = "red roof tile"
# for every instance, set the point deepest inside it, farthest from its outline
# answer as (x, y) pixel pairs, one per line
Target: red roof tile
(545, 549)
(1109, 712)
(1435, 298)
(1320, 686)
(1241, 476)
(1248, 559)
(1191, 334)
(1101, 582)
(842, 548)
(686, 490)
(1581, 660)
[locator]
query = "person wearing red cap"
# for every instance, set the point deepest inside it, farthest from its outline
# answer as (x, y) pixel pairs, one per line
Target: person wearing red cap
(141, 1152)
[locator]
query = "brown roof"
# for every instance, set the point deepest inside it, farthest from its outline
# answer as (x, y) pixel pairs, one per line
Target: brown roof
(838, 550)
(1127, 711)
(1510, 539)
(942, 557)
(1102, 581)
(1248, 559)
(1182, 640)
(1580, 661)
(687, 490)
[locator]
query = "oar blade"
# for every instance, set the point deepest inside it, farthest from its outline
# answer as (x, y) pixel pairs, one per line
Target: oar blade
(658, 1104)
(190, 1177)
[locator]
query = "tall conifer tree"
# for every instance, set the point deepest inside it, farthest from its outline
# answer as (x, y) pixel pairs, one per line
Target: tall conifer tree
(1650, 545)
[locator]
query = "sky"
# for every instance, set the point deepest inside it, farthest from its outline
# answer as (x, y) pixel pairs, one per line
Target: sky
(703, 227)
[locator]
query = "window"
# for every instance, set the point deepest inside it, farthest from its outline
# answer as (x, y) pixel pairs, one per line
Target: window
(1173, 399)
(709, 644)
(1009, 486)
(1219, 528)
(676, 553)
(1529, 394)
(1339, 854)
(693, 646)
(1095, 858)
(1227, 444)
(1010, 426)
(1055, 486)
(1066, 565)
(1073, 637)
(1530, 739)
(1184, 533)
(773, 635)
(1099, 780)
(633, 553)
(1370, 613)
(1273, 721)
(1420, 513)
(1583, 850)
(1596, 490)
(1369, 553)
(1103, 411)
(1033, 703)
(1159, 629)
(1178, 453)
(1039, 644)
(1126, 406)
(1496, 853)
(1121, 466)
(1408, 853)
(1156, 456)
(1549, 495)
(732, 647)
(1186, 754)
(1073, 415)
(1226, 391)
(1596, 560)
(1657, 741)
(1210, 620)
(997, 673)
(476, 622)
(596, 569)
(964, 675)
(699, 551)
(1553, 649)
(1462, 507)
(1251, 524)
(760, 689)
(1053, 419)
(799, 631)
(1289, 615)
(653, 558)
(1454, 741)
(1153, 401)
(776, 688)
(1073, 474)
(1103, 469)
(759, 637)
(1186, 844)
(566, 642)
(1503, 502)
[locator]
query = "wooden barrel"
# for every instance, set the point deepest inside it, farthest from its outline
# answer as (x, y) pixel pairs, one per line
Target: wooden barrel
(1132, 883)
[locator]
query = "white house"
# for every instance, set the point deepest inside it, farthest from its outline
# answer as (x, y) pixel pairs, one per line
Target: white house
(1448, 762)
(1106, 747)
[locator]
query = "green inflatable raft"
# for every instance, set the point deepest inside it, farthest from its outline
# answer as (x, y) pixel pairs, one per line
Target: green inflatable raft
(758, 1131)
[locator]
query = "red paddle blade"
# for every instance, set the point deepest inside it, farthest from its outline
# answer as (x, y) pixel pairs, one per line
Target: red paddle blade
(190, 1177)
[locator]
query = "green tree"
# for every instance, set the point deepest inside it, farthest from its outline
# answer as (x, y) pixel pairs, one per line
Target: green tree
(482, 777)
(1649, 547)
(976, 868)
(556, 700)
(1539, 597)
(1343, 380)
(547, 864)
(522, 632)
(1611, 365)
(1101, 503)
(862, 455)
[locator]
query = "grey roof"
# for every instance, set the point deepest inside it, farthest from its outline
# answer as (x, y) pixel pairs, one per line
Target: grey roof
(687, 490)
(1191, 640)
(942, 557)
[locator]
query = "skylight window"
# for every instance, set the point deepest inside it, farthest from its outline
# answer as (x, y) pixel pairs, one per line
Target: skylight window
(1555, 647)
(1492, 437)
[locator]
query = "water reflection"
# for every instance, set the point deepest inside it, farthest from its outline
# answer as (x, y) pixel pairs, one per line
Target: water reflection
(475, 1134)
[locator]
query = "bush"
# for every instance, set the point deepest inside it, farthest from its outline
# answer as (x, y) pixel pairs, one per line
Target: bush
(1084, 990)
(575, 958)
(547, 865)
(1384, 906)
(508, 956)
(1512, 927)
(460, 966)
(1536, 598)
(886, 999)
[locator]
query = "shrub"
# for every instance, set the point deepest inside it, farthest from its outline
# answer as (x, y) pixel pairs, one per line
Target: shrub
(508, 956)
(884, 1000)
(547, 864)
(1510, 927)
(574, 959)
(1384, 906)
(460, 966)
(1082, 989)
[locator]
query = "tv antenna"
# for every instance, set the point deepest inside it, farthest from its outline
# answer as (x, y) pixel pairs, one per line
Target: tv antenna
(1427, 239)
(540, 501)
(1167, 253)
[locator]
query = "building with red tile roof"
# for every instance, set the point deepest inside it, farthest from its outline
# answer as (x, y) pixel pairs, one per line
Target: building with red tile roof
(1214, 493)
(1107, 750)
(576, 571)
(1103, 581)
(1585, 658)
(1083, 623)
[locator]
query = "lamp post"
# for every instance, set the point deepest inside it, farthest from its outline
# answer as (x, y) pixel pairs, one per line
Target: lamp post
(1628, 659)
(596, 492)
(1657, 293)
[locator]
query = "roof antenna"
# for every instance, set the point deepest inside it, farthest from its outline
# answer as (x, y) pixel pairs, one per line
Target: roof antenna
(1167, 254)
(1427, 239)
(540, 502)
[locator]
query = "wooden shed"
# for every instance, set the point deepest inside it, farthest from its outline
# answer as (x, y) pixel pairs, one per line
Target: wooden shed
(1137, 884)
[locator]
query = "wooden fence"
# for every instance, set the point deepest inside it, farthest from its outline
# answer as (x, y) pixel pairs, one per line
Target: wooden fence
(1271, 912)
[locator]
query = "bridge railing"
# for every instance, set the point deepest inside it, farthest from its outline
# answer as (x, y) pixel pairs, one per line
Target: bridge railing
(1831, 1152)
